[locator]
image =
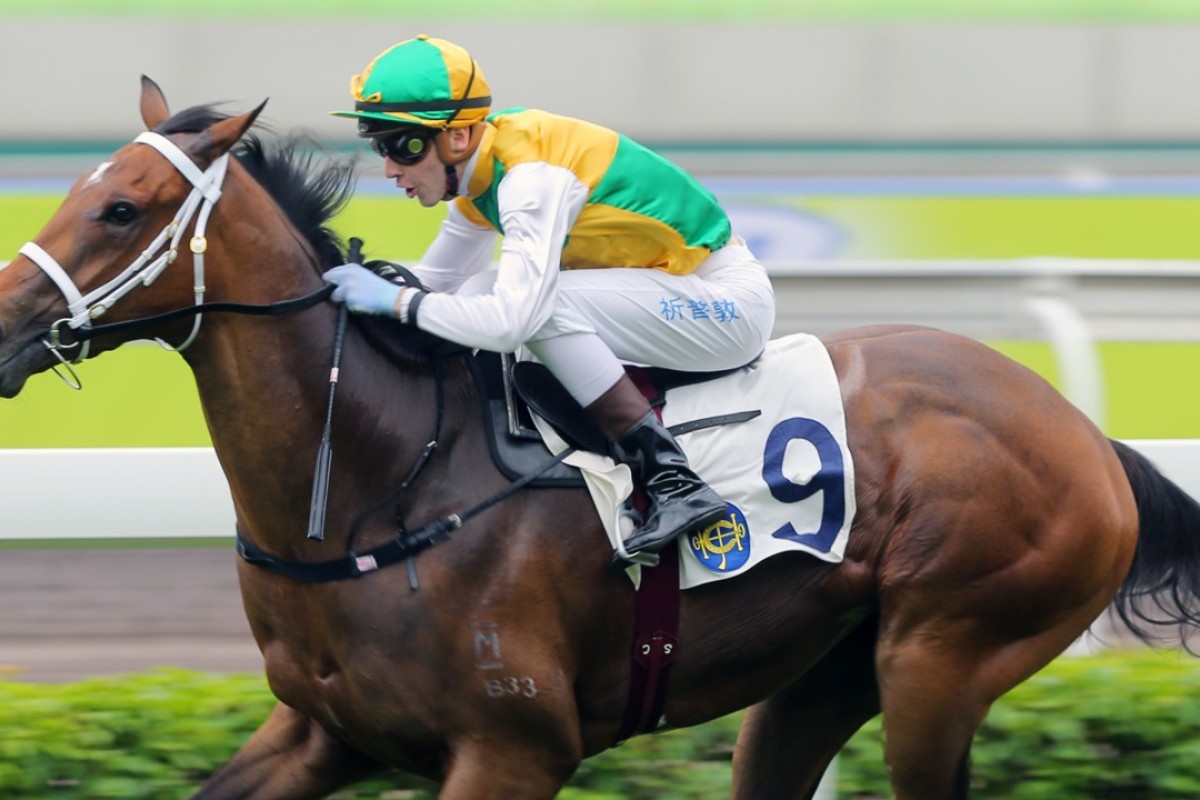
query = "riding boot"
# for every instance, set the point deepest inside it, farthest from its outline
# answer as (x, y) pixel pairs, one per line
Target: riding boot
(677, 499)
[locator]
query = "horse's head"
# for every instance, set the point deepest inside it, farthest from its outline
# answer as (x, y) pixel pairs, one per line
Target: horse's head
(108, 253)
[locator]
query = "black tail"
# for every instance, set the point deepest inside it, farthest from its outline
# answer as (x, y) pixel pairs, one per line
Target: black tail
(1162, 589)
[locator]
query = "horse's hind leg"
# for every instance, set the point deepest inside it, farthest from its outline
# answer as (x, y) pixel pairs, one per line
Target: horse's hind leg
(787, 741)
(937, 683)
(289, 757)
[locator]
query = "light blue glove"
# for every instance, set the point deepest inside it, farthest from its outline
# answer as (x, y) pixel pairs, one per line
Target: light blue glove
(363, 291)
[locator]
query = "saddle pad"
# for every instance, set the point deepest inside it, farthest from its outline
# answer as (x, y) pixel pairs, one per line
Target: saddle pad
(786, 475)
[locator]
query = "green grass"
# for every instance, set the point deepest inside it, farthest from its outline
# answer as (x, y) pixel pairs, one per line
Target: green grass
(968, 227)
(623, 10)
(142, 396)
(1150, 388)
(879, 227)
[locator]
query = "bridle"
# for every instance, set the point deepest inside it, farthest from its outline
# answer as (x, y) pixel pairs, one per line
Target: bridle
(83, 308)
(206, 190)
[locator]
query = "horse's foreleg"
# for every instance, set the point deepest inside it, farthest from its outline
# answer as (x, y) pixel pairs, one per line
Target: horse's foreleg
(531, 766)
(289, 757)
(787, 741)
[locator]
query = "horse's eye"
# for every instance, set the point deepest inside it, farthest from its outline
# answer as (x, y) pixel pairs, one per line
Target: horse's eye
(121, 213)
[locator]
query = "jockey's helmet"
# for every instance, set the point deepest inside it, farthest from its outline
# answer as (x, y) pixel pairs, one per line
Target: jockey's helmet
(423, 81)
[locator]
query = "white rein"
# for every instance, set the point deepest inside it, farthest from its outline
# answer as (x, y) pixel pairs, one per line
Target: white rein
(83, 308)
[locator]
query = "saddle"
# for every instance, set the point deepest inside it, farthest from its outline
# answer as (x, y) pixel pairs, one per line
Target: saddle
(516, 447)
(510, 392)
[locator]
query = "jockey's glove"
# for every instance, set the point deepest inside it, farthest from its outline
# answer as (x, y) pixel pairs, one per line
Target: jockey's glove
(365, 292)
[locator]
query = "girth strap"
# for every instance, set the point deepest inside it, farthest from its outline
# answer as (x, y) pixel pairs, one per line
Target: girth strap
(409, 543)
(655, 645)
(656, 611)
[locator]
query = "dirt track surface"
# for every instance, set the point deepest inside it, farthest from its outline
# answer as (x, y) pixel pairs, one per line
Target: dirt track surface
(72, 614)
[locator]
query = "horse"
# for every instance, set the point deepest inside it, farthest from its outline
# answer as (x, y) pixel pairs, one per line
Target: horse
(995, 522)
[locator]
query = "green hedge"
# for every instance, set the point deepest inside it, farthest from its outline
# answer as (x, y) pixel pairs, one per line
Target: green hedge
(1119, 725)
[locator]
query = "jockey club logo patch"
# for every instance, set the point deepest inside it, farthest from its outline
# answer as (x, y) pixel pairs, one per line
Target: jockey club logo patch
(725, 545)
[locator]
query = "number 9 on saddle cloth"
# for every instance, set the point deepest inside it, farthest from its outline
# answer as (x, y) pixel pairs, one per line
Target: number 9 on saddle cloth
(770, 437)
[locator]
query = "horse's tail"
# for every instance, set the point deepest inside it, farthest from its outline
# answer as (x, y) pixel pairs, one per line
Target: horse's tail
(1162, 589)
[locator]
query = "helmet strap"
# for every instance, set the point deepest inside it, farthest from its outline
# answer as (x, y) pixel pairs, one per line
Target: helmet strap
(451, 181)
(451, 160)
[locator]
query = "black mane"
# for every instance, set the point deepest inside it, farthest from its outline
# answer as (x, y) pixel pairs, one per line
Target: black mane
(311, 193)
(310, 190)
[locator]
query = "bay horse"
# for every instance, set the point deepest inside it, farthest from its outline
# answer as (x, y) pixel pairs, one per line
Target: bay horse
(995, 522)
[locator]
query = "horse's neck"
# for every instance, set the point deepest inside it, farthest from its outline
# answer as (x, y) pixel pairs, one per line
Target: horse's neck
(264, 385)
(255, 374)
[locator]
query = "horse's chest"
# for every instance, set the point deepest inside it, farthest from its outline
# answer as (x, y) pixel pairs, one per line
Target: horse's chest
(346, 678)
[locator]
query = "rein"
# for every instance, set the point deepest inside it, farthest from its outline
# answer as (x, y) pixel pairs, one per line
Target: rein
(409, 543)
(275, 309)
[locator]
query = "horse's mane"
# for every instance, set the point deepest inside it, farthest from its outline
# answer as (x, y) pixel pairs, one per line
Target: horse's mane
(310, 190)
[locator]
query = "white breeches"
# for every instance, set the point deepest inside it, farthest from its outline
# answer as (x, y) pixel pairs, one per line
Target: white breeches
(717, 317)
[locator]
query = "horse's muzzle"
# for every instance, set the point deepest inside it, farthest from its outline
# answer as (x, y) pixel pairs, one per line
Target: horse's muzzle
(20, 360)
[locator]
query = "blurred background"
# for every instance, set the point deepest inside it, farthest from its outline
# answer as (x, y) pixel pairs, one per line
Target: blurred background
(1022, 171)
(962, 163)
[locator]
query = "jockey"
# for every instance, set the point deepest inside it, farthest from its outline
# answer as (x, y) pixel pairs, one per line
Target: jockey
(610, 254)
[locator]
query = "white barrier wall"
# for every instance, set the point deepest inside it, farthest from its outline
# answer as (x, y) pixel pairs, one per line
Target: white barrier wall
(181, 492)
(137, 493)
(744, 82)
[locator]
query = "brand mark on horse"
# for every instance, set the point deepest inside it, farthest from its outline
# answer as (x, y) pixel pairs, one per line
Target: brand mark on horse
(487, 645)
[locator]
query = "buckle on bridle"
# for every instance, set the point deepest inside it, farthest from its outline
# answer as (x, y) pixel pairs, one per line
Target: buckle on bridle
(56, 343)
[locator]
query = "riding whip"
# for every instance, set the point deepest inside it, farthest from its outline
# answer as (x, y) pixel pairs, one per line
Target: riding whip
(320, 493)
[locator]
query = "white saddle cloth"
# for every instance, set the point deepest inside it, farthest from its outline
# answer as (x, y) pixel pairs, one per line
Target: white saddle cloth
(786, 475)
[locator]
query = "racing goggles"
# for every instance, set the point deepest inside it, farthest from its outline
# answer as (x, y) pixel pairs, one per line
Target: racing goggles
(406, 147)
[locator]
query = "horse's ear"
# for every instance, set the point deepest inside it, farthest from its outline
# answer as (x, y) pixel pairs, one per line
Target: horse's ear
(221, 136)
(154, 105)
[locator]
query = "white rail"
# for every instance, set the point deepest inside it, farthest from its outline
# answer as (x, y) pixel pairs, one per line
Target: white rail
(1071, 303)
(117, 493)
(149, 493)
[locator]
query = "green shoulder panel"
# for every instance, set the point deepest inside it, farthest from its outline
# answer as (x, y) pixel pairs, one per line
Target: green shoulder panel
(641, 181)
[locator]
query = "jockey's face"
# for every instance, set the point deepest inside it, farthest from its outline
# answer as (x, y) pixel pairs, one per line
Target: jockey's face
(419, 177)
(425, 180)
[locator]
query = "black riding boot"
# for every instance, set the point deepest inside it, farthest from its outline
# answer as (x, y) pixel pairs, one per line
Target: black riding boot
(678, 501)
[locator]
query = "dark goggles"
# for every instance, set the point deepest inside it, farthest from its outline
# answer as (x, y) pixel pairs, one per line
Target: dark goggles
(407, 147)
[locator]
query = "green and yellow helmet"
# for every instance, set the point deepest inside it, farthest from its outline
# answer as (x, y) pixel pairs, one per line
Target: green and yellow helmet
(423, 81)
